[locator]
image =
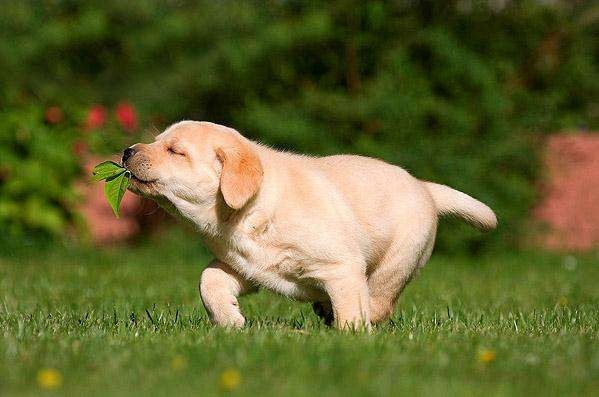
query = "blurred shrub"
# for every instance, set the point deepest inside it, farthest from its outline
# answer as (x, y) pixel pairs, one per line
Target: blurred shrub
(454, 91)
(36, 173)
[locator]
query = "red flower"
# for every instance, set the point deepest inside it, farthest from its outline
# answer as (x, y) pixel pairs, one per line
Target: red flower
(126, 116)
(95, 117)
(53, 115)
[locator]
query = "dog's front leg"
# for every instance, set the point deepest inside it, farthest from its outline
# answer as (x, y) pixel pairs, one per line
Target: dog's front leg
(350, 301)
(219, 288)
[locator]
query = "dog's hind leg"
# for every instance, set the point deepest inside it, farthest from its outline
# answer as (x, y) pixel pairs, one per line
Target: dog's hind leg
(350, 301)
(219, 288)
(398, 266)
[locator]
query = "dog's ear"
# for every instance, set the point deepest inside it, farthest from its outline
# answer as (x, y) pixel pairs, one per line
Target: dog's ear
(241, 174)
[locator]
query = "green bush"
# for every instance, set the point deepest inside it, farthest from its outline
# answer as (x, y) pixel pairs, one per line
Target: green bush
(37, 172)
(457, 91)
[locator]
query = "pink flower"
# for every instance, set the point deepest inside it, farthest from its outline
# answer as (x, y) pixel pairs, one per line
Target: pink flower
(53, 115)
(126, 116)
(95, 117)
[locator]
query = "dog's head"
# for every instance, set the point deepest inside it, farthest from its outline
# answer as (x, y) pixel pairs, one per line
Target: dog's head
(195, 163)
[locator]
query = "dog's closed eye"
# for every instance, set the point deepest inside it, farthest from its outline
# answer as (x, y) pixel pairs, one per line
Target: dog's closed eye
(176, 151)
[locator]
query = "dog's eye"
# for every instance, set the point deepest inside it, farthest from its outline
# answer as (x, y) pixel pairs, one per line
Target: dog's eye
(172, 150)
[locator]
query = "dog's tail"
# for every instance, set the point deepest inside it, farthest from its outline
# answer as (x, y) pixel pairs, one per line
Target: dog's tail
(452, 202)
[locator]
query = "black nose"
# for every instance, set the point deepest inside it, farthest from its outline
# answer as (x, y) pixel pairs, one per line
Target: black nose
(127, 154)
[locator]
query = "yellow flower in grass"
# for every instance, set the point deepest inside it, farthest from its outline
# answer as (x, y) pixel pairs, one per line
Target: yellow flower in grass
(178, 363)
(229, 379)
(486, 356)
(562, 301)
(49, 378)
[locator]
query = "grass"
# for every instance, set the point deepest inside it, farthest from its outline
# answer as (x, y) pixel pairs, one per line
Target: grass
(75, 321)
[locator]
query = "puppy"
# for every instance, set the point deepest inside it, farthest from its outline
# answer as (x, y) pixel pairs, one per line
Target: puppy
(345, 232)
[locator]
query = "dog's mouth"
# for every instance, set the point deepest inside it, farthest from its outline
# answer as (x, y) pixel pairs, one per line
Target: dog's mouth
(131, 175)
(143, 187)
(139, 180)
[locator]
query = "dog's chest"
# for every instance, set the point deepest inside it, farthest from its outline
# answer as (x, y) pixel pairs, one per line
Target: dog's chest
(276, 267)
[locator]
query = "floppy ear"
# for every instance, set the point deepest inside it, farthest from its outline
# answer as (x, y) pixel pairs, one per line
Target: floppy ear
(241, 175)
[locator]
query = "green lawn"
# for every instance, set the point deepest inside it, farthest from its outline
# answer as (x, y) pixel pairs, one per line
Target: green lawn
(128, 321)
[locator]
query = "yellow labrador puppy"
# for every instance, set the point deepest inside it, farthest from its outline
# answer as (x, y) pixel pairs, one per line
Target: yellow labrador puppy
(345, 232)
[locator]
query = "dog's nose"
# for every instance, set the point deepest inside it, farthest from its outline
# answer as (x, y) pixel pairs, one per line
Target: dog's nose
(128, 153)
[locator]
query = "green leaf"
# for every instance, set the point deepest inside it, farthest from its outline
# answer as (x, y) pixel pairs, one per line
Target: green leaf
(106, 170)
(114, 189)
(117, 180)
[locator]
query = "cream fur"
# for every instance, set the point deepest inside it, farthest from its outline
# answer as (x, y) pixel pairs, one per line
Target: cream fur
(347, 232)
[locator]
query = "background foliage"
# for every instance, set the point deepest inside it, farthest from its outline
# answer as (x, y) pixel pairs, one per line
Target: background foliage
(455, 91)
